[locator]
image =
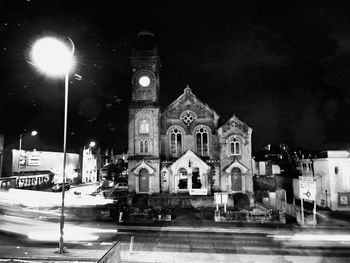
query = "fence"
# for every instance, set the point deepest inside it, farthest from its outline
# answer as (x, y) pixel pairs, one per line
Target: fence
(277, 204)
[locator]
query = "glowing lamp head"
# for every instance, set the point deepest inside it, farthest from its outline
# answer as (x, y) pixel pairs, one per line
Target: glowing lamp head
(52, 56)
(33, 133)
(92, 144)
(144, 81)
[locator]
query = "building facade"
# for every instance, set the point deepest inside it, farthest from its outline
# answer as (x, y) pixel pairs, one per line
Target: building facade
(332, 172)
(181, 149)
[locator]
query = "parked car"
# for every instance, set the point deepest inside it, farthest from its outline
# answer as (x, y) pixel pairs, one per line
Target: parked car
(58, 187)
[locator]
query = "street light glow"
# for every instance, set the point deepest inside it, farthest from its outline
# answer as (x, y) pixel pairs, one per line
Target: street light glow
(52, 56)
(34, 133)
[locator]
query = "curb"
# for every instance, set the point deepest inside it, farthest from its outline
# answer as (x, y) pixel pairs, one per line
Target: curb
(50, 259)
(204, 229)
(228, 229)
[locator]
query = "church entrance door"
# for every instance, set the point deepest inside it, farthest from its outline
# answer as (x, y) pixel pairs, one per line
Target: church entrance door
(236, 177)
(144, 181)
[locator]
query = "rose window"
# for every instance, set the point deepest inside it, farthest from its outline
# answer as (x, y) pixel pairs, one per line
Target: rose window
(188, 117)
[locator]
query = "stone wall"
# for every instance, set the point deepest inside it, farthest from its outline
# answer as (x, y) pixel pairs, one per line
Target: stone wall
(184, 201)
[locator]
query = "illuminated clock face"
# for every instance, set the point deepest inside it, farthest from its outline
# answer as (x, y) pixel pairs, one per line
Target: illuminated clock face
(144, 81)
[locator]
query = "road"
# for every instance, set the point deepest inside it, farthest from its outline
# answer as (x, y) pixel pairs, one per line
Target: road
(31, 233)
(158, 243)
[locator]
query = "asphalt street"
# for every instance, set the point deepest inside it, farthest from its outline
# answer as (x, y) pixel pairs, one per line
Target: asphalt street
(323, 244)
(30, 234)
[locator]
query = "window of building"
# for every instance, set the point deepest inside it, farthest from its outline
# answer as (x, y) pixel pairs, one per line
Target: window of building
(183, 179)
(235, 147)
(336, 170)
(196, 180)
(202, 138)
(141, 146)
(310, 166)
(175, 142)
(144, 147)
(143, 126)
(344, 198)
(188, 117)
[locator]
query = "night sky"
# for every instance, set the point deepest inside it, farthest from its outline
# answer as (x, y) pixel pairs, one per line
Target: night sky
(282, 67)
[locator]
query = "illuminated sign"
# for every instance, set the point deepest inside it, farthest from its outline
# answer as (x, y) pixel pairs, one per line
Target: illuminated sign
(34, 159)
(307, 187)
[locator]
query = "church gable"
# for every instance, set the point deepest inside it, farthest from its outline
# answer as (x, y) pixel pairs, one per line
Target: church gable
(141, 166)
(188, 107)
(235, 164)
(189, 160)
(235, 126)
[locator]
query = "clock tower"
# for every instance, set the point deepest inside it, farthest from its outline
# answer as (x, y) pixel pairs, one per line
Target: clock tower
(144, 117)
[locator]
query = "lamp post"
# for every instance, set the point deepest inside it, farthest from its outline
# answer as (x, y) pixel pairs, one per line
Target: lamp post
(33, 133)
(54, 58)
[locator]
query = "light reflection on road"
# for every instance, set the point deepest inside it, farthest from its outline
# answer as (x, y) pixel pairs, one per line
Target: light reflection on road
(21, 209)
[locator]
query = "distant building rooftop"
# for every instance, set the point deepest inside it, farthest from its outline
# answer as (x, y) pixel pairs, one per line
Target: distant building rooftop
(333, 154)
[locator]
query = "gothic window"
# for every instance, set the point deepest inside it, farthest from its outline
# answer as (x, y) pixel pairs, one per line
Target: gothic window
(138, 94)
(183, 172)
(196, 180)
(143, 126)
(183, 179)
(235, 147)
(175, 142)
(146, 146)
(188, 117)
(202, 139)
(141, 146)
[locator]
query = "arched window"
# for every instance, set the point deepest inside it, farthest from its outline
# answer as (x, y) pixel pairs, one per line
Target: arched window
(235, 147)
(202, 138)
(175, 142)
(196, 179)
(146, 146)
(183, 172)
(143, 126)
(183, 179)
(141, 146)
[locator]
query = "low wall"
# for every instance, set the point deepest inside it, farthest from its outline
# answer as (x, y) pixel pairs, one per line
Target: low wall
(184, 201)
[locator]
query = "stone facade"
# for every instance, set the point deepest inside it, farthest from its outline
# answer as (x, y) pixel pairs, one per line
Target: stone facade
(182, 149)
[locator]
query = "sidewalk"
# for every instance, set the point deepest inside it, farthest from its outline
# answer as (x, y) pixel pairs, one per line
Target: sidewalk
(45, 255)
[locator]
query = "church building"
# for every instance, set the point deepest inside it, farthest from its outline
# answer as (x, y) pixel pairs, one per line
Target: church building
(182, 148)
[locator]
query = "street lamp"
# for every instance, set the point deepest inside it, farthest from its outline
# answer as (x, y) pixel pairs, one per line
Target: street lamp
(54, 58)
(92, 144)
(32, 133)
